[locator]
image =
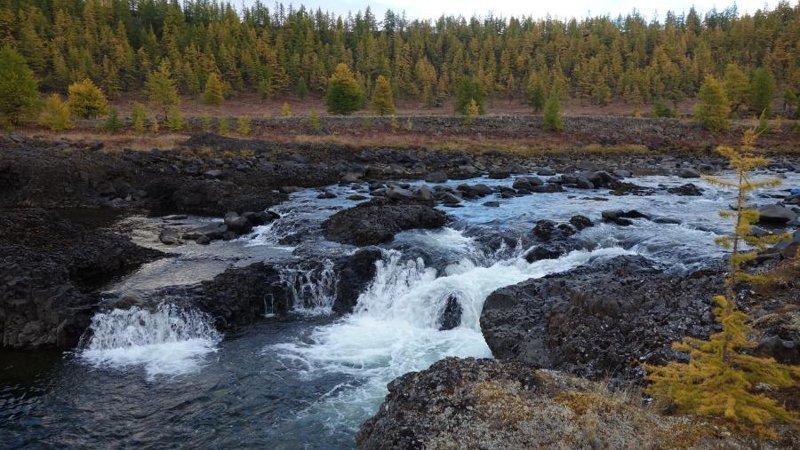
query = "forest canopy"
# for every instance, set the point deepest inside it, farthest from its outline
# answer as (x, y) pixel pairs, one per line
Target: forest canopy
(118, 43)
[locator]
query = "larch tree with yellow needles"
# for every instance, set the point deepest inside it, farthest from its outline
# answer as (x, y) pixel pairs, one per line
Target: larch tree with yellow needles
(721, 379)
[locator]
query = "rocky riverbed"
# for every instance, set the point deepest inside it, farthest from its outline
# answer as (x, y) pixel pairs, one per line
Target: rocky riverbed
(298, 281)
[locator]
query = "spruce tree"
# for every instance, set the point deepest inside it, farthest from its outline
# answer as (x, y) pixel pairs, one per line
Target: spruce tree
(344, 94)
(112, 124)
(382, 99)
(721, 379)
(214, 92)
(86, 100)
(762, 89)
(19, 94)
(537, 95)
(552, 113)
(161, 90)
(712, 108)
(469, 90)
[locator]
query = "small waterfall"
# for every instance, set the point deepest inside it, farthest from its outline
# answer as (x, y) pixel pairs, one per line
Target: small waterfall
(395, 327)
(169, 340)
(313, 289)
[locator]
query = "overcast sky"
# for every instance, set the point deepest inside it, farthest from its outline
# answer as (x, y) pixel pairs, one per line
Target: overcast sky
(431, 9)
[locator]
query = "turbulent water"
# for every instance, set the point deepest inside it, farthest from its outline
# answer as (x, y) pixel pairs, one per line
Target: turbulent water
(166, 378)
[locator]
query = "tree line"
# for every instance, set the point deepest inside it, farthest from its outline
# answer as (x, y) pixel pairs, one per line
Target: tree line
(286, 50)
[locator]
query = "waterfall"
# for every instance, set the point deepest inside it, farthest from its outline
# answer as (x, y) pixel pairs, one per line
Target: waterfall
(394, 329)
(167, 341)
(313, 289)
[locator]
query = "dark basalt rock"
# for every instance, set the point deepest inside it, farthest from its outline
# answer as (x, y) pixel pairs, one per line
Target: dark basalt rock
(49, 267)
(688, 189)
(775, 214)
(451, 315)
(621, 217)
(377, 221)
(599, 320)
(354, 275)
(242, 296)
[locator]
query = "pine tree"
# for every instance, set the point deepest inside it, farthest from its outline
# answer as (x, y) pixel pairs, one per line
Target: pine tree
(55, 115)
(712, 108)
(19, 94)
(721, 379)
(552, 113)
(86, 100)
(161, 90)
(214, 92)
(382, 98)
(138, 117)
(762, 89)
(301, 89)
(344, 95)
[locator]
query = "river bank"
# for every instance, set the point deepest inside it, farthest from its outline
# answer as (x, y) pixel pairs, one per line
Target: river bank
(330, 271)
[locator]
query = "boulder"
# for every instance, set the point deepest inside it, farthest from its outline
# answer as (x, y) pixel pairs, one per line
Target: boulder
(438, 176)
(775, 214)
(621, 217)
(170, 237)
(599, 320)
(237, 224)
(450, 316)
(687, 172)
(377, 221)
(688, 189)
(527, 183)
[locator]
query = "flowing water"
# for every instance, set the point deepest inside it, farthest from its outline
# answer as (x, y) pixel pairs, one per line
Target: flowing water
(165, 377)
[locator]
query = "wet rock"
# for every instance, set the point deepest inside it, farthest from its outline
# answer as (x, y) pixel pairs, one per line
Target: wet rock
(580, 222)
(499, 174)
(261, 218)
(688, 173)
(548, 188)
(546, 172)
(541, 252)
(242, 296)
(212, 232)
(599, 320)
(326, 195)
(527, 183)
(424, 194)
(436, 177)
(688, 189)
(775, 214)
(354, 275)
(237, 224)
(448, 199)
(451, 315)
(357, 197)
(377, 221)
(621, 217)
(170, 237)
(492, 204)
(398, 193)
(544, 229)
(621, 173)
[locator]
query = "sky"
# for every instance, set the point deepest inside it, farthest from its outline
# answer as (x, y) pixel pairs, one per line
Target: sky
(431, 9)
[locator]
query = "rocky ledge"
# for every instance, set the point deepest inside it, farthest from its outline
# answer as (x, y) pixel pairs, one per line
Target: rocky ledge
(49, 269)
(481, 403)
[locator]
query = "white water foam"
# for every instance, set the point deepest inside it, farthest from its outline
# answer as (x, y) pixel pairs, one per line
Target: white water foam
(167, 341)
(394, 329)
